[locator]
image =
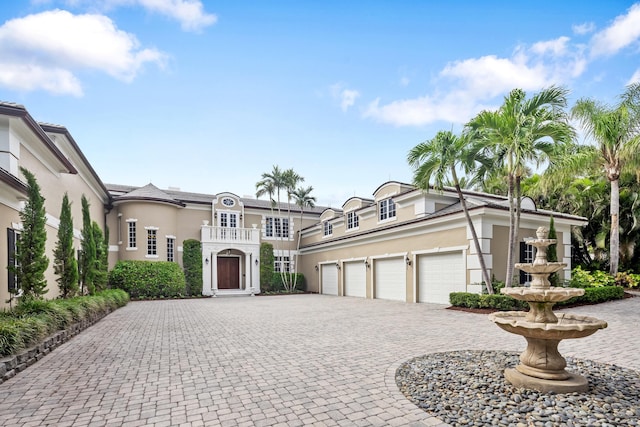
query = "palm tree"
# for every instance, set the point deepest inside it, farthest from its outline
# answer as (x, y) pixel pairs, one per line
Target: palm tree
(290, 180)
(520, 132)
(616, 133)
(303, 199)
(438, 158)
(273, 184)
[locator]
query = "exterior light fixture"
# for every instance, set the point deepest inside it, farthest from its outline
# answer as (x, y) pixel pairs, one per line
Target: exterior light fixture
(366, 263)
(338, 266)
(317, 268)
(256, 261)
(408, 261)
(206, 261)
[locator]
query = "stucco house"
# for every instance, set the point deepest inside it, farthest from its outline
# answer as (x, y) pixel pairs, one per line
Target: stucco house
(403, 244)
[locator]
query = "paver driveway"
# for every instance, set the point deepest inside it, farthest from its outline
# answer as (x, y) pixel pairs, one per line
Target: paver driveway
(282, 360)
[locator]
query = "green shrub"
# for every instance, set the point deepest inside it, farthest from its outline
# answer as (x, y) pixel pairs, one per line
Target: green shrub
(501, 302)
(266, 267)
(32, 320)
(585, 279)
(464, 299)
(192, 263)
(627, 280)
(594, 295)
(10, 336)
(277, 285)
(59, 316)
(148, 279)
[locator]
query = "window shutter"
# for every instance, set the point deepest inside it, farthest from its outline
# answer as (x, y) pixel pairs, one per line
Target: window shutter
(11, 261)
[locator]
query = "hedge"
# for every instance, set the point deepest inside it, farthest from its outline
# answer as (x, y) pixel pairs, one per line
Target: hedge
(148, 279)
(277, 285)
(592, 295)
(31, 321)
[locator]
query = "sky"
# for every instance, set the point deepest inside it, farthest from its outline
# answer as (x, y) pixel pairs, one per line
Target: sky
(206, 96)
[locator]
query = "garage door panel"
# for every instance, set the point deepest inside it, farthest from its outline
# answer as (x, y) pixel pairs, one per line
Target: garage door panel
(391, 279)
(355, 279)
(439, 275)
(329, 279)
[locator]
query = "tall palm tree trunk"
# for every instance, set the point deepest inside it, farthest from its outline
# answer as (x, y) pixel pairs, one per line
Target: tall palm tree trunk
(512, 232)
(514, 243)
(614, 244)
(474, 235)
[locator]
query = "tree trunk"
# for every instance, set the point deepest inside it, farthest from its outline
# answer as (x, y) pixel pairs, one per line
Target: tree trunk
(512, 224)
(614, 238)
(514, 243)
(474, 235)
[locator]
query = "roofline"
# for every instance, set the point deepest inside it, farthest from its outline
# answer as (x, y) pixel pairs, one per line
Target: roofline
(556, 215)
(63, 130)
(125, 198)
(21, 112)
(13, 182)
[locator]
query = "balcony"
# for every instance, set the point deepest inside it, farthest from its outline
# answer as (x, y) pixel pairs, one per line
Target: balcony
(210, 234)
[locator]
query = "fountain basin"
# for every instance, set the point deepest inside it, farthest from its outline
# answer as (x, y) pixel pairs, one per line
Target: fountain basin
(546, 268)
(551, 294)
(568, 325)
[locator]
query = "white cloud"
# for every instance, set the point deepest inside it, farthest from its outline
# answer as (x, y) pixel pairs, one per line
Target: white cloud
(624, 31)
(455, 107)
(190, 13)
(557, 47)
(473, 84)
(584, 28)
(635, 78)
(45, 50)
(347, 97)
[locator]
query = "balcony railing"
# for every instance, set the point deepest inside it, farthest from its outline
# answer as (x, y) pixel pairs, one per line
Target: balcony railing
(230, 234)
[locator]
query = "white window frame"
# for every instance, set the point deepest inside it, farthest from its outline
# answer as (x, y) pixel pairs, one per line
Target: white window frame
(353, 221)
(274, 225)
(171, 248)
(152, 247)
(280, 262)
(386, 210)
(132, 243)
(327, 229)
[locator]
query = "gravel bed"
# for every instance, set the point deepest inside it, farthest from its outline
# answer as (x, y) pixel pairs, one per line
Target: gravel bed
(467, 388)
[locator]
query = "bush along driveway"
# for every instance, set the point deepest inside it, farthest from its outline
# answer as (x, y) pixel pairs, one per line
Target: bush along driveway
(34, 328)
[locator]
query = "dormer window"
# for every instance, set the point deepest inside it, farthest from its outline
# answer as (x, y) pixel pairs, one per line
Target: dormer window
(327, 228)
(352, 220)
(387, 209)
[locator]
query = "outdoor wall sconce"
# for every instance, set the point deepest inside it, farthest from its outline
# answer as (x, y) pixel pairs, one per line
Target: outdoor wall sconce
(317, 268)
(366, 263)
(408, 260)
(206, 261)
(338, 266)
(256, 261)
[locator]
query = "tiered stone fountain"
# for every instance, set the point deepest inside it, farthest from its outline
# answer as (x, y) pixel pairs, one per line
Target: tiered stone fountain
(541, 366)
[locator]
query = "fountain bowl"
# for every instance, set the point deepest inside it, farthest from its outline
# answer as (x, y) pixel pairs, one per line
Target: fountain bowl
(568, 325)
(551, 294)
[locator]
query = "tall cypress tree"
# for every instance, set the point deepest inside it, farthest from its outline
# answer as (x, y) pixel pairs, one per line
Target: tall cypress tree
(100, 266)
(88, 254)
(30, 248)
(552, 253)
(65, 264)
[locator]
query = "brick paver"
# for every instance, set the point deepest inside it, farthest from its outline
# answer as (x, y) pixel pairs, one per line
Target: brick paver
(267, 361)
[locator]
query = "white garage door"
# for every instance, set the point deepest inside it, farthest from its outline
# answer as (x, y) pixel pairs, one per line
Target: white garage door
(329, 279)
(355, 280)
(390, 281)
(439, 275)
